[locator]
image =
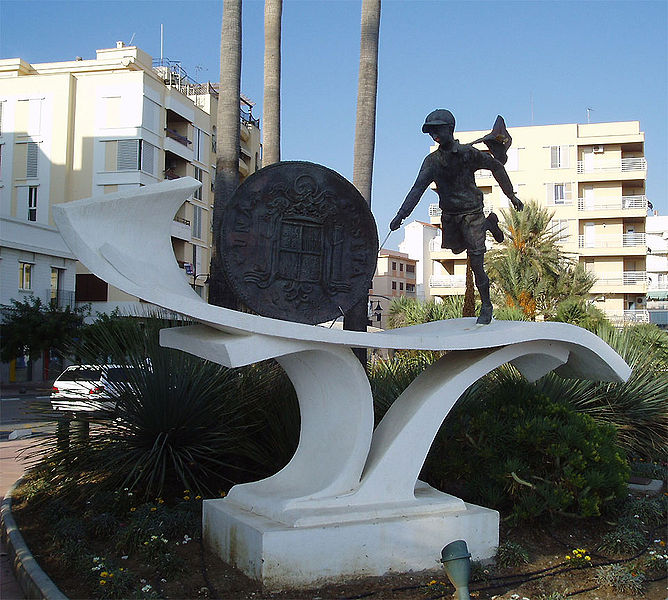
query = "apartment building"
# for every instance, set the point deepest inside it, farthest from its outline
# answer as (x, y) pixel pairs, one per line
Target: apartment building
(657, 270)
(80, 128)
(593, 177)
(395, 276)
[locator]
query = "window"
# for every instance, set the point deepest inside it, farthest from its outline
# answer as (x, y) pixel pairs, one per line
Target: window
(394, 266)
(31, 160)
(559, 157)
(410, 287)
(55, 283)
(214, 140)
(401, 267)
(410, 268)
(561, 229)
(198, 139)
(197, 222)
(32, 203)
(559, 193)
(90, 288)
(25, 276)
(401, 286)
(199, 177)
(394, 285)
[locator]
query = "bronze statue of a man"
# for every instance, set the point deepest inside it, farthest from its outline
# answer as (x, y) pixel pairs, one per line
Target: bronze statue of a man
(452, 168)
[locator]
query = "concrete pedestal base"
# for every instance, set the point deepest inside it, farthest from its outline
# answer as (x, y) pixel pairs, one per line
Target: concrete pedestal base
(403, 539)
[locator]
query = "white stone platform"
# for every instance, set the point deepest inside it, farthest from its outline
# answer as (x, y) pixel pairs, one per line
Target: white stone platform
(349, 502)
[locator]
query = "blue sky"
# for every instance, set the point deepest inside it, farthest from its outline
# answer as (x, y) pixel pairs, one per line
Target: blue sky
(478, 59)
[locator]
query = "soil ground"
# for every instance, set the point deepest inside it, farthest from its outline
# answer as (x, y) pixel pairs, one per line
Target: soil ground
(200, 574)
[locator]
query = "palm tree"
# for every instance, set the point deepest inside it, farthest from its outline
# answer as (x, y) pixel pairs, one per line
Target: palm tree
(227, 128)
(271, 130)
(365, 133)
(530, 270)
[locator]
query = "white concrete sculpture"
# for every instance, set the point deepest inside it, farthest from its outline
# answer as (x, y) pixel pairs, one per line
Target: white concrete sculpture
(349, 502)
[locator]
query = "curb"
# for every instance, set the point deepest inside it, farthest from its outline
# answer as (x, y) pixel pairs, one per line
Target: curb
(34, 582)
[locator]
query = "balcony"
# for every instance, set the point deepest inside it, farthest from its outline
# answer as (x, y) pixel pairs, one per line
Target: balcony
(175, 135)
(60, 298)
(613, 203)
(626, 240)
(621, 318)
(618, 164)
(447, 281)
(626, 279)
(181, 229)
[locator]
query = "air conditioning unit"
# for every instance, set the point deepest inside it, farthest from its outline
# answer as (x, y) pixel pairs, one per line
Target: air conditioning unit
(640, 300)
(598, 149)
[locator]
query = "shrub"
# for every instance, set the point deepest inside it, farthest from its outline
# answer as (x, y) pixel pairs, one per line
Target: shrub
(526, 455)
(511, 554)
(621, 578)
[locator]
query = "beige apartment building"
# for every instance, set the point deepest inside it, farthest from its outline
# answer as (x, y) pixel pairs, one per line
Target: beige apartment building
(81, 128)
(395, 276)
(593, 177)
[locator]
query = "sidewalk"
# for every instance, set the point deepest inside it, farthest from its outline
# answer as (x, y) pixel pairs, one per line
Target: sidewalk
(18, 389)
(11, 469)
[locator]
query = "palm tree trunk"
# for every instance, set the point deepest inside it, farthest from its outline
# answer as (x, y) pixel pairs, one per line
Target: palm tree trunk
(227, 128)
(271, 113)
(365, 135)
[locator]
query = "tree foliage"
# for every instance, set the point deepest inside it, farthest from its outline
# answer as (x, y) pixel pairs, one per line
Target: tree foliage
(29, 327)
(530, 271)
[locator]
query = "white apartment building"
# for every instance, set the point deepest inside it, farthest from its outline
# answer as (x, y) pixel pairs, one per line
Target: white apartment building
(75, 129)
(593, 177)
(395, 276)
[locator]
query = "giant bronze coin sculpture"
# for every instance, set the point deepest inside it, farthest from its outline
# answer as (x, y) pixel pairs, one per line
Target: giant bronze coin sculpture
(298, 242)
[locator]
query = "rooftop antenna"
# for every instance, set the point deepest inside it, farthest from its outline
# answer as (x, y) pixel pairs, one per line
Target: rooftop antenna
(531, 104)
(161, 34)
(589, 115)
(131, 39)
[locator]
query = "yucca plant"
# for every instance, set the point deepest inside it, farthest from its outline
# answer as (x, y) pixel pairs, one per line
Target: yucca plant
(178, 422)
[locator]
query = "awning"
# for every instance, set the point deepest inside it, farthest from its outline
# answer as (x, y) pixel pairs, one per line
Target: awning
(657, 295)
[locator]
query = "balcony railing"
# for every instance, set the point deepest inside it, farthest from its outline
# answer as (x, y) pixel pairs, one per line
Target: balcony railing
(626, 240)
(175, 135)
(624, 278)
(61, 298)
(619, 164)
(182, 220)
(614, 203)
(447, 281)
(621, 318)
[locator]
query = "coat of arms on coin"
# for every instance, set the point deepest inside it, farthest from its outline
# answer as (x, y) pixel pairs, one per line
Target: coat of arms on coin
(299, 243)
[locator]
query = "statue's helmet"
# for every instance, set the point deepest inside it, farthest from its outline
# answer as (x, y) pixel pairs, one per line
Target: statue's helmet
(438, 117)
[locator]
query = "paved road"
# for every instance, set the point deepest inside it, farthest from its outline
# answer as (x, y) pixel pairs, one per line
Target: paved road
(24, 411)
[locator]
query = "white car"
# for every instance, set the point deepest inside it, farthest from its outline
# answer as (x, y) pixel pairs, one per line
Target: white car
(88, 387)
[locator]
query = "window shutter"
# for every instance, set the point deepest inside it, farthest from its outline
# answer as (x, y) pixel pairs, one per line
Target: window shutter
(151, 115)
(127, 158)
(197, 222)
(549, 193)
(35, 116)
(564, 156)
(31, 160)
(148, 157)
(554, 157)
(567, 191)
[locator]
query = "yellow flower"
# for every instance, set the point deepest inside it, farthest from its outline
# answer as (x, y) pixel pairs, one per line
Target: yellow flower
(104, 574)
(186, 491)
(198, 497)
(587, 557)
(160, 501)
(568, 557)
(153, 509)
(432, 582)
(186, 497)
(662, 543)
(111, 575)
(102, 582)
(133, 509)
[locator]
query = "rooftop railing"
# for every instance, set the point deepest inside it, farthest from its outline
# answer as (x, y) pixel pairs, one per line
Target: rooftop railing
(626, 240)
